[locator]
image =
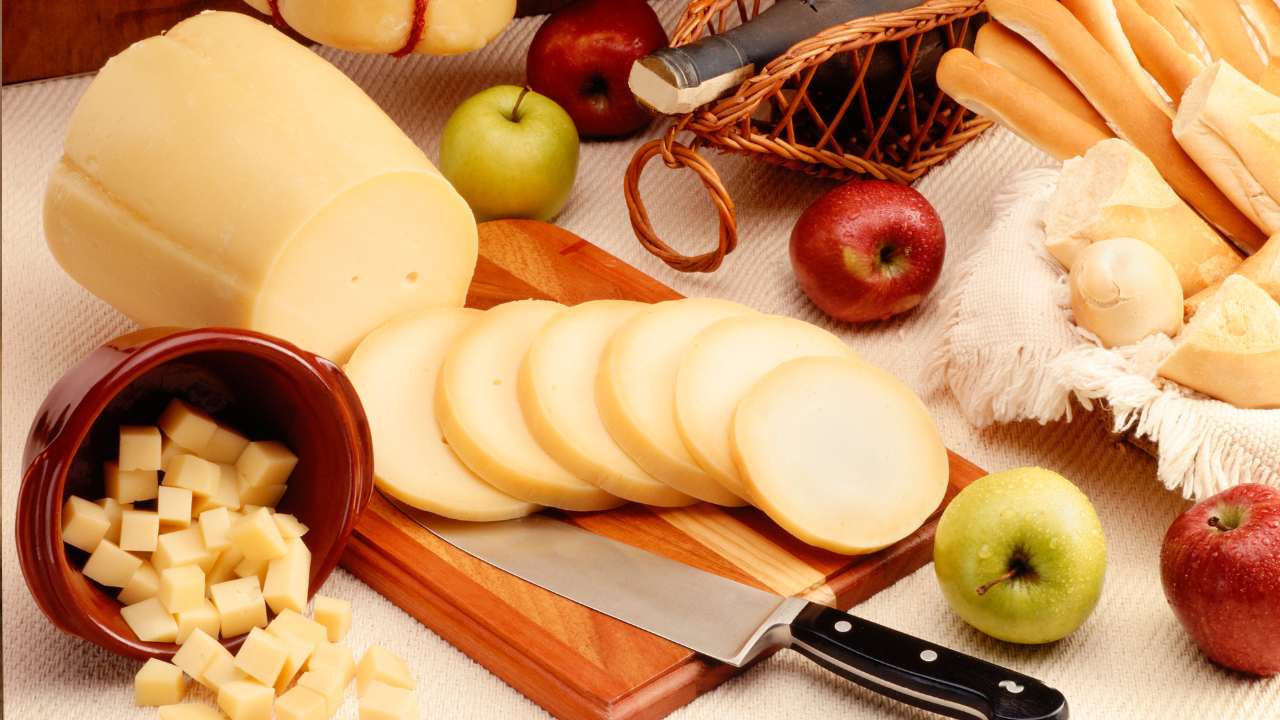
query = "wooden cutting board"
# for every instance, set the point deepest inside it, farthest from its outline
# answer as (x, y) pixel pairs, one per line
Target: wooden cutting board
(571, 660)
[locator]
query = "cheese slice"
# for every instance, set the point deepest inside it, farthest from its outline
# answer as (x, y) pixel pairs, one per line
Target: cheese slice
(198, 188)
(383, 26)
(558, 395)
(636, 391)
(1231, 348)
(839, 453)
(478, 408)
(723, 362)
(394, 371)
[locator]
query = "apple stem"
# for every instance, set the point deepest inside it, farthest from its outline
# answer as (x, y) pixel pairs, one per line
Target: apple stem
(1013, 572)
(519, 98)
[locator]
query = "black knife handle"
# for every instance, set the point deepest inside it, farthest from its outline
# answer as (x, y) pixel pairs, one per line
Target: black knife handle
(919, 673)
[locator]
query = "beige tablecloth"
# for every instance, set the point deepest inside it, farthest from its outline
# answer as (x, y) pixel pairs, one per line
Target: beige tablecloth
(1130, 660)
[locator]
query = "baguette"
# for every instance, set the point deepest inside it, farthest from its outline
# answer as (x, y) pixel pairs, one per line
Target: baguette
(994, 92)
(1171, 19)
(1222, 27)
(1000, 46)
(1099, 18)
(1263, 268)
(1158, 52)
(1115, 191)
(1056, 33)
(1232, 128)
(1264, 16)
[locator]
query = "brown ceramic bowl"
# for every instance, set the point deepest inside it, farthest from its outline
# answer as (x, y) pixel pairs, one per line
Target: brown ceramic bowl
(262, 386)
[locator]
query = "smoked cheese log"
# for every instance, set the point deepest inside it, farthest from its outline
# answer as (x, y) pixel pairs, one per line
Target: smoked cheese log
(1056, 33)
(223, 174)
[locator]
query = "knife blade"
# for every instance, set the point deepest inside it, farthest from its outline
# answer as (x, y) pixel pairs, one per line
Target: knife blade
(735, 623)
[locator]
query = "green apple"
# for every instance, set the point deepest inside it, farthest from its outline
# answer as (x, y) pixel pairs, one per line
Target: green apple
(511, 153)
(1020, 555)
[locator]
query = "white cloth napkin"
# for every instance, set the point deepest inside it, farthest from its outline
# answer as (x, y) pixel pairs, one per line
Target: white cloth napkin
(1010, 351)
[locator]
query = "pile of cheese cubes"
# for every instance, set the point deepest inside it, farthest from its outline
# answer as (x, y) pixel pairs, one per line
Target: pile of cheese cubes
(293, 650)
(203, 548)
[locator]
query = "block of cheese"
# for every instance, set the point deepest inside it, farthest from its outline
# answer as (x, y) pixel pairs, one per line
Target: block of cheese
(327, 683)
(296, 654)
(240, 605)
(290, 622)
(288, 578)
(181, 547)
(1262, 267)
(194, 473)
(300, 703)
(264, 463)
(840, 453)
(557, 385)
(197, 189)
(145, 583)
(139, 448)
(198, 652)
(139, 530)
(215, 527)
(262, 656)
(203, 617)
(110, 565)
(245, 700)
(335, 615)
(1231, 348)
(114, 511)
(387, 702)
(126, 486)
(224, 446)
(380, 665)
(448, 27)
(478, 407)
(257, 536)
(722, 364)
(181, 588)
(1114, 191)
(84, 524)
(394, 371)
(222, 670)
(189, 427)
(333, 655)
(159, 683)
(150, 621)
(173, 506)
(635, 391)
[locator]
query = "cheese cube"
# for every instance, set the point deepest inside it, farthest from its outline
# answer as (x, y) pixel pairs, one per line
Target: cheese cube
(174, 507)
(262, 656)
(84, 524)
(288, 579)
(189, 711)
(298, 654)
(258, 537)
(159, 683)
(243, 700)
(126, 486)
(265, 496)
(139, 448)
(188, 427)
(327, 683)
(214, 527)
(386, 702)
(139, 530)
(224, 446)
(150, 621)
(203, 617)
(240, 605)
(180, 547)
(336, 656)
(378, 665)
(196, 474)
(266, 463)
(289, 526)
(253, 567)
(169, 450)
(197, 653)
(144, 584)
(290, 622)
(224, 569)
(228, 492)
(181, 588)
(301, 704)
(114, 511)
(222, 671)
(111, 566)
(335, 615)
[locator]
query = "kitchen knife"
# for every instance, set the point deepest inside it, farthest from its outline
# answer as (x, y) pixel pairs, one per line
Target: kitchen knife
(734, 623)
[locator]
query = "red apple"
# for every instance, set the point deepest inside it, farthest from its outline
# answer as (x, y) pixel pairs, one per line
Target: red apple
(1220, 565)
(582, 55)
(868, 250)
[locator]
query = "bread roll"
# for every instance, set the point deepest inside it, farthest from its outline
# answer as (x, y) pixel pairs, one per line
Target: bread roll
(1056, 33)
(1263, 268)
(996, 93)
(1232, 128)
(1231, 349)
(1115, 191)
(1123, 290)
(998, 45)
(1099, 18)
(1223, 29)
(1159, 53)
(1171, 19)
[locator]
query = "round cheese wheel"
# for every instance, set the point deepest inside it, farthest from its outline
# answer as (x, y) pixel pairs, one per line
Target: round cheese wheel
(394, 371)
(636, 391)
(478, 407)
(722, 364)
(558, 396)
(839, 453)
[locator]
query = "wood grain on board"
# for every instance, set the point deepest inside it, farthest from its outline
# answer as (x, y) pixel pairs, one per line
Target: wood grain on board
(571, 660)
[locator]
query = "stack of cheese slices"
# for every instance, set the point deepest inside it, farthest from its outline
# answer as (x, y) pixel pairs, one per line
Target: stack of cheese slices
(1166, 115)
(492, 415)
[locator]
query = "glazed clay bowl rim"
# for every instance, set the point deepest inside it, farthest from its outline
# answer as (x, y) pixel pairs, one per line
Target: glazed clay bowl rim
(97, 379)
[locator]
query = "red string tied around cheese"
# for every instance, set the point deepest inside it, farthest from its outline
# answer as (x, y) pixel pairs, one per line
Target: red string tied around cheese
(415, 31)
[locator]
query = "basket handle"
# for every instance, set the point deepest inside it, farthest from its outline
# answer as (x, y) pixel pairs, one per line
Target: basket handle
(677, 155)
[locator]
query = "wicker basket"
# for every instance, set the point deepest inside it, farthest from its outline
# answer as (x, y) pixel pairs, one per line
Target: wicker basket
(781, 116)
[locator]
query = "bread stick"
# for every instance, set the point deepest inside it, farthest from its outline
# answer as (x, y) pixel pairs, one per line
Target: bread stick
(1222, 26)
(1099, 18)
(1156, 49)
(996, 93)
(1171, 19)
(1000, 46)
(1264, 16)
(1060, 37)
